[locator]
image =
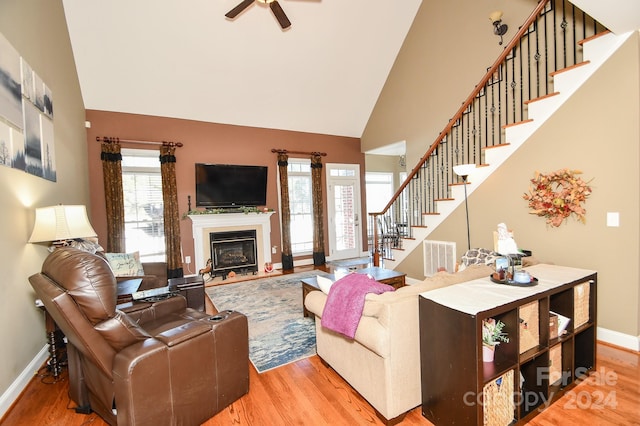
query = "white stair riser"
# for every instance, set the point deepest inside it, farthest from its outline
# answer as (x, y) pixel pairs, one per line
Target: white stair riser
(598, 47)
(542, 109)
(596, 51)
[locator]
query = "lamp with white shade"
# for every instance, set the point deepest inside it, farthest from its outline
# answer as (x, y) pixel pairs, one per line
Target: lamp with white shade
(464, 170)
(60, 224)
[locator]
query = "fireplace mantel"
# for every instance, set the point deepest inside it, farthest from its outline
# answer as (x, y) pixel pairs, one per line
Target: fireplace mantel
(203, 224)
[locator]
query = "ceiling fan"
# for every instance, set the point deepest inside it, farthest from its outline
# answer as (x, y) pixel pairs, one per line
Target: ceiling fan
(273, 4)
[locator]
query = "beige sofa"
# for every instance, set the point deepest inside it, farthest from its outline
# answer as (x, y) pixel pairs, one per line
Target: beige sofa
(382, 363)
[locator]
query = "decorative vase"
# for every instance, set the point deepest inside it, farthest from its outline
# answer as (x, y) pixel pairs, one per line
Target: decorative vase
(488, 353)
(268, 267)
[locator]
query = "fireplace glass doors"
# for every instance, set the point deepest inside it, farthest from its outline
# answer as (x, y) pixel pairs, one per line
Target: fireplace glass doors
(233, 251)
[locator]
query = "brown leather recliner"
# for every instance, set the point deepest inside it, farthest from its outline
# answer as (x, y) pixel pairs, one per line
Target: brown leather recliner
(160, 363)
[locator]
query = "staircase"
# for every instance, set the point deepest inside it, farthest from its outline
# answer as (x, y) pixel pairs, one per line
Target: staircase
(422, 211)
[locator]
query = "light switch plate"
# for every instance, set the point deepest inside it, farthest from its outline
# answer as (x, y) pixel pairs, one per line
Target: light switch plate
(613, 219)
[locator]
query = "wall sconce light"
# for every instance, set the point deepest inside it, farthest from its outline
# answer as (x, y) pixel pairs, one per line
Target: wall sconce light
(59, 224)
(464, 170)
(499, 28)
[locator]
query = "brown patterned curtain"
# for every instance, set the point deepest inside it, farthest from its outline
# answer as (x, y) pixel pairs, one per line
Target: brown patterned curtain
(171, 213)
(287, 256)
(113, 196)
(318, 216)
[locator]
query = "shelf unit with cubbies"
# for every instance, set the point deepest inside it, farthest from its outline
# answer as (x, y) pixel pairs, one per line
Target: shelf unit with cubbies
(530, 371)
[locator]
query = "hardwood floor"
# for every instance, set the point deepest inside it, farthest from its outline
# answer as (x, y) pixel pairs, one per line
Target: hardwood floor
(309, 393)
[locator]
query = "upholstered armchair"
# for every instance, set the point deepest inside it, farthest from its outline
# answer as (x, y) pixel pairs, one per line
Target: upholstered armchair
(160, 363)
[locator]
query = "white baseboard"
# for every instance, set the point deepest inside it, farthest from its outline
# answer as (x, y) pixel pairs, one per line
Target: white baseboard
(15, 389)
(619, 339)
(412, 281)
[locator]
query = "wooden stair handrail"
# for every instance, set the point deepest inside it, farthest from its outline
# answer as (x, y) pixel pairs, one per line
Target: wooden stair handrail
(483, 81)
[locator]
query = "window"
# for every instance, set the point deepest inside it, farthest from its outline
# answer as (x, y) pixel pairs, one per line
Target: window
(300, 205)
(143, 206)
(379, 187)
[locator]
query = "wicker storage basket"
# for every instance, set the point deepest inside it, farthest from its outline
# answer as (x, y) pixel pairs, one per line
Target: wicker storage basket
(529, 326)
(498, 405)
(555, 364)
(581, 304)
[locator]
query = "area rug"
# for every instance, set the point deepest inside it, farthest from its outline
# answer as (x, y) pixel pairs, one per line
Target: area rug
(278, 333)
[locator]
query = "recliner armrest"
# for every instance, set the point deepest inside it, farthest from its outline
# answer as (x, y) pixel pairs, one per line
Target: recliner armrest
(144, 312)
(182, 333)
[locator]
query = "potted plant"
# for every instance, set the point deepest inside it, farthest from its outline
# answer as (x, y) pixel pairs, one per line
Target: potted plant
(492, 334)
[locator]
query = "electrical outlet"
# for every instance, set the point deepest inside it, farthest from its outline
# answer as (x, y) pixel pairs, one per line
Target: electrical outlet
(187, 260)
(274, 249)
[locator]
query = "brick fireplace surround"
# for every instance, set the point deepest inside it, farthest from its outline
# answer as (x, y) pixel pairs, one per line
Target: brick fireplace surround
(203, 224)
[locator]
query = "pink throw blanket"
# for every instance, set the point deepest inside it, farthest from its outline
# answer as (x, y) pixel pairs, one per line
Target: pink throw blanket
(345, 302)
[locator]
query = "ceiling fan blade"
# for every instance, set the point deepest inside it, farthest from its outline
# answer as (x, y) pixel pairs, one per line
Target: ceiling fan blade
(280, 15)
(239, 8)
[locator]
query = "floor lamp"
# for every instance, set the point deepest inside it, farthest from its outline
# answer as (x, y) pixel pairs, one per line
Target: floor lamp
(463, 170)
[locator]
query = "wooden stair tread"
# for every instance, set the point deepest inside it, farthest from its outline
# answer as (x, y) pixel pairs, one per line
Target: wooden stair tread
(517, 123)
(497, 146)
(541, 98)
(588, 39)
(554, 73)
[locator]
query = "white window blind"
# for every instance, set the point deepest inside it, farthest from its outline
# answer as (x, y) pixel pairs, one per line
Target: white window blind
(143, 205)
(300, 205)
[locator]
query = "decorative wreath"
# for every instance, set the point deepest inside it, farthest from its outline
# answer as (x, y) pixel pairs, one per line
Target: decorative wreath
(557, 195)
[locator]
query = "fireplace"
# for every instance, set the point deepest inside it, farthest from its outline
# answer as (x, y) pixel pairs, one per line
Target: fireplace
(205, 224)
(233, 251)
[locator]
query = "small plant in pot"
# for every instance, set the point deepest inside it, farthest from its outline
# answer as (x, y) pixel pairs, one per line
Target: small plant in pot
(492, 335)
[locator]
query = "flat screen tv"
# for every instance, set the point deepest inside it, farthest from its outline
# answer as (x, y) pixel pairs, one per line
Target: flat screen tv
(228, 185)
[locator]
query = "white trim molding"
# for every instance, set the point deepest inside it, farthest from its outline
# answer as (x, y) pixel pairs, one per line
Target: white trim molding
(619, 339)
(203, 224)
(20, 383)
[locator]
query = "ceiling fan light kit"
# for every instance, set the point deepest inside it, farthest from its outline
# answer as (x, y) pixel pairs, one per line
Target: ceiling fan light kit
(273, 5)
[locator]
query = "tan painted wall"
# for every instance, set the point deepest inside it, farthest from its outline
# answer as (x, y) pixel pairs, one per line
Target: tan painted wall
(598, 132)
(447, 51)
(37, 29)
(211, 143)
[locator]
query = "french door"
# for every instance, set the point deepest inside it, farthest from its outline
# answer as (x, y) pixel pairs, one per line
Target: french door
(343, 210)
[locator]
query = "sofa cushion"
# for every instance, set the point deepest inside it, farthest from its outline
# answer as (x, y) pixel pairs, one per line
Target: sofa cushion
(441, 279)
(479, 256)
(324, 284)
(375, 303)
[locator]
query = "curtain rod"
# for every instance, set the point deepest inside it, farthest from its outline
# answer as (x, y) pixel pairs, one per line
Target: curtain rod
(107, 139)
(284, 151)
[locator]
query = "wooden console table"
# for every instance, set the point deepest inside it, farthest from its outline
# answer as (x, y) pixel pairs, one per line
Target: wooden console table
(386, 276)
(459, 388)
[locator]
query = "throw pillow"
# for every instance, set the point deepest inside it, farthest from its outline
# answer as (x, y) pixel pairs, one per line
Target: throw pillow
(125, 264)
(479, 256)
(324, 283)
(86, 245)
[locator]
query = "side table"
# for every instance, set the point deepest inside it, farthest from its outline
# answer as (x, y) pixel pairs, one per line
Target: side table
(55, 340)
(385, 276)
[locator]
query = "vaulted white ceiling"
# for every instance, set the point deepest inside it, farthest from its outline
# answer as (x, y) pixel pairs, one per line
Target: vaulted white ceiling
(184, 59)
